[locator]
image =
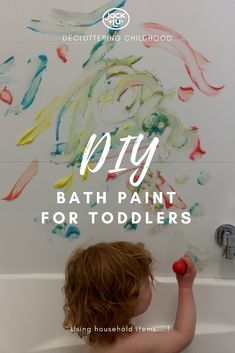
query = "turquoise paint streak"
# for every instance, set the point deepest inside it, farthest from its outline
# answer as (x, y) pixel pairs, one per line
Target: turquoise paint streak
(34, 84)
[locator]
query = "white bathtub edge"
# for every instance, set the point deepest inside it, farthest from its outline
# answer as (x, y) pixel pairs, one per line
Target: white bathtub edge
(159, 279)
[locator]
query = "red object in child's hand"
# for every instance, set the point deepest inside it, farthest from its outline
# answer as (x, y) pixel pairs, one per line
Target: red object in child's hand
(179, 267)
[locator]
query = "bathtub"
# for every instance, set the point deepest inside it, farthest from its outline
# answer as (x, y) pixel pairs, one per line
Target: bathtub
(31, 314)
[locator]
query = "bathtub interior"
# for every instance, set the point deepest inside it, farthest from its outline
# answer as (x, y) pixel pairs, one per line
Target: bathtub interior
(33, 313)
(214, 342)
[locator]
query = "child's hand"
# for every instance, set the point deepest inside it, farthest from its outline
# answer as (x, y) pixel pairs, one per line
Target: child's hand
(186, 280)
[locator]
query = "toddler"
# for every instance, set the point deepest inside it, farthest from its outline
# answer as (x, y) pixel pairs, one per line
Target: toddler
(107, 284)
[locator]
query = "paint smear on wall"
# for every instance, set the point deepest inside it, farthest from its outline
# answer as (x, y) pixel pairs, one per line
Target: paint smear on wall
(129, 226)
(185, 93)
(101, 48)
(197, 210)
(70, 22)
(82, 102)
(39, 63)
(200, 256)
(66, 232)
(23, 181)
(43, 120)
(163, 186)
(182, 180)
(197, 152)
(154, 181)
(193, 61)
(204, 177)
(104, 82)
(199, 260)
(62, 52)
(6, 95)
(7, 66)
(63, 230)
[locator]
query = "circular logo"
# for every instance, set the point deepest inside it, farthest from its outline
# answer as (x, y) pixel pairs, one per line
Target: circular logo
(116, 18)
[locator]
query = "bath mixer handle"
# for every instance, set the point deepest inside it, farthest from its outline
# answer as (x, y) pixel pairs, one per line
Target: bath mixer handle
(225, 237)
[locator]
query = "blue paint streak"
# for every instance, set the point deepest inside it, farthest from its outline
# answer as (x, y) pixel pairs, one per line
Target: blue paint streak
(79, 26)
(59, 149)
(59, 118)
(7, 65)
(33, 29)
(59, 228)
(157, 125)
(72, 232)
(130, 226)
(110, 45)
(194, 258)
(166, 221)
(35, 83)
(93, 50)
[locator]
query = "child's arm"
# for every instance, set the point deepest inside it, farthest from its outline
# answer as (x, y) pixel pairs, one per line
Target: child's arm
(182, 333)
(185, 321)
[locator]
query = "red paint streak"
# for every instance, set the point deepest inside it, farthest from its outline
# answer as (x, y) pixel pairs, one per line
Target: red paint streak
(185, 93)
(163, 186)
(136, 177)
(23, 180)
(197, 151)
(62, 52)
(193, 61)
(6, 95)
(167, 201)
(110, 176)
(194, 128)
(195, 78)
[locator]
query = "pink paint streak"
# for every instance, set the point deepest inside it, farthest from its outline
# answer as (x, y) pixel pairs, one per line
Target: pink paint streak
(197, 152)
(23, 180)
(194, 62)
(185, 93)
(62, 52)
(6, 95)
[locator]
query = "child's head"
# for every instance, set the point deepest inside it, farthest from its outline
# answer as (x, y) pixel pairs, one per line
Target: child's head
(105, 286)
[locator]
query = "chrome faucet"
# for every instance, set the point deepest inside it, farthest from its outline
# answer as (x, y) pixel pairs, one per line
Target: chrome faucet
(225, 237)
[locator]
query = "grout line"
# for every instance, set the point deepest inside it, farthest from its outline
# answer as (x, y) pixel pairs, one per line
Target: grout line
(76, 42)
(124, 162)
(44, 276)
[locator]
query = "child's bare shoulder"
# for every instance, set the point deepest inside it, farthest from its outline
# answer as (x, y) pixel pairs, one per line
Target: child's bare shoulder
(145, 342)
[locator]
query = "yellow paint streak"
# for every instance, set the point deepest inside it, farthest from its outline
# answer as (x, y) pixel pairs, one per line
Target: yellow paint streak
(126, 127)
(43, 120)
(64, 182)
(106, 97)
(85, 176)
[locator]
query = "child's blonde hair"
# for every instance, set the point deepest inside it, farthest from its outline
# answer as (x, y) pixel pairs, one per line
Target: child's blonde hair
(101, 288)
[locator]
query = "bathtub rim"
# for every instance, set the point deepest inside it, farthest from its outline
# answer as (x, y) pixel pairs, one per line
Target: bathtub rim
(160, 279)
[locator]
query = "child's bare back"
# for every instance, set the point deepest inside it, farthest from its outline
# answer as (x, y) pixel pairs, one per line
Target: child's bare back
(107, 284)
